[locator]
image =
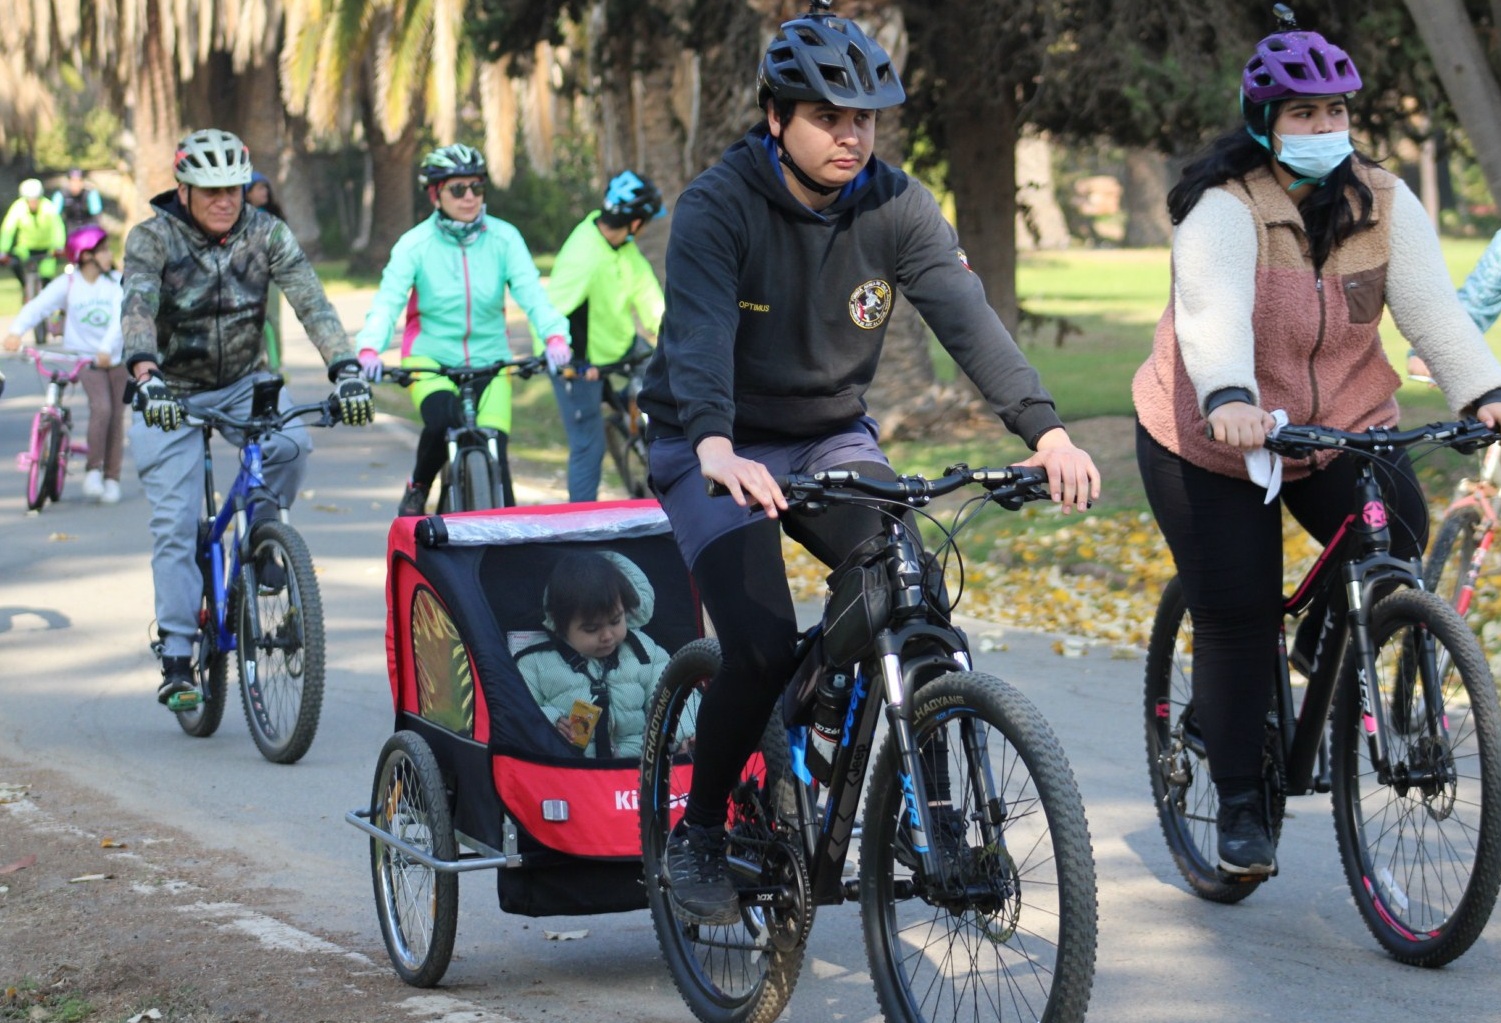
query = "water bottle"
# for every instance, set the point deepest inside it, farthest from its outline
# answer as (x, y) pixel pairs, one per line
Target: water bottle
(830, 700)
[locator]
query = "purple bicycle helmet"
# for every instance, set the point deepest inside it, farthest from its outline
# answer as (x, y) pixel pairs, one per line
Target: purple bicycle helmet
(1293, 63)
(84, 239)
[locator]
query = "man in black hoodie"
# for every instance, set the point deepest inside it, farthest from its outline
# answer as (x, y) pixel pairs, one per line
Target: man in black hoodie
(781, 272)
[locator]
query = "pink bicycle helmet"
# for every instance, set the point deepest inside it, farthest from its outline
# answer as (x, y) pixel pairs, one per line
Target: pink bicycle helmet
(1293, 63)
(85, 239)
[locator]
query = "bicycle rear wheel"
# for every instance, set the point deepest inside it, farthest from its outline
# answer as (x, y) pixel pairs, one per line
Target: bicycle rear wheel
(280, 642)
(418, 907)
(1446, 570)
(1185, 797)
(629, 455)
(1013, 921)
(745, 972)
(211, 671)
(1421, 841)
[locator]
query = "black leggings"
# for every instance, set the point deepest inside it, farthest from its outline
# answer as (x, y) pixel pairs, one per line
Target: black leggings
(743, 583)
(1227, 545)
(442, 411)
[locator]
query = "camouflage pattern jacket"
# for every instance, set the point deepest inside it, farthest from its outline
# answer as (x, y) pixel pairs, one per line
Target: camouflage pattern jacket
(197, 306)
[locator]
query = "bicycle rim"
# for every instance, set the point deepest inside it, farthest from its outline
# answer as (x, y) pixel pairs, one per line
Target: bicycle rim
(1186, 800)
(1447, 568)
(1421, 851)
(1008, 931)
(418, 907)
(743, 973)
(280, 643)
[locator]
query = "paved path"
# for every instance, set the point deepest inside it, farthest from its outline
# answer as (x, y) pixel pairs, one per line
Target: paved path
(76, 695)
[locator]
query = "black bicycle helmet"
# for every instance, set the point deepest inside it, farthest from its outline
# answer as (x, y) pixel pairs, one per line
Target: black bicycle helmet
(634, 196)
(820, 58)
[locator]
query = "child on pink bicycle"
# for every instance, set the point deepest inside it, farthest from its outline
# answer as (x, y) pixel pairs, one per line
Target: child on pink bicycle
(90, 297)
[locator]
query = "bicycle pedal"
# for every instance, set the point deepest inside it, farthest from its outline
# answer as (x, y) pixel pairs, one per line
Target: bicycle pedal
(180, 702)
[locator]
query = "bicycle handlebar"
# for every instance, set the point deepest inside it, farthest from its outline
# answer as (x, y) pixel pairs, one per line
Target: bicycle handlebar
(624, 367)
(523, 367)
(1465, 436)
(1010, 487)
(39, 357)
(199, 415)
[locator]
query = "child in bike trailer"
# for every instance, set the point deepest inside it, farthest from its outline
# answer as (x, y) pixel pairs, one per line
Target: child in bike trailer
(90, 297)
(450, 274)
(1288, 243)
(603, 284)
(595, 672)
(32, 227)
(196, 276)
(782, 268)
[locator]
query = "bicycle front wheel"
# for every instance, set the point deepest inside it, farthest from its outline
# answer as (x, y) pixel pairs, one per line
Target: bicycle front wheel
(37, 476)
(1012, 921)
(1446, 571)
(1421, 838)
(280, 642)
(744, 972)
(629, 455)
(478, 484)
(418, 906)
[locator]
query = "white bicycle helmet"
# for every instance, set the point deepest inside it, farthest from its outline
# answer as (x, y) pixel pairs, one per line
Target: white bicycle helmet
(31, 188)
(212, 158)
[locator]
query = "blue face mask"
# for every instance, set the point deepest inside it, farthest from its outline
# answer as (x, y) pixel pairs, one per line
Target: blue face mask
(1315, 156)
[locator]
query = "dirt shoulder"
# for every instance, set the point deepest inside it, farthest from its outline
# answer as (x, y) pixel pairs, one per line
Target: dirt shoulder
(108, 917)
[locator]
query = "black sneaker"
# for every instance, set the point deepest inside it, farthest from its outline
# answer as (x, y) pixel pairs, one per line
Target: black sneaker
(270, 576)
(700, 888)
(177, 679)
(1246, 847)
(413, 502)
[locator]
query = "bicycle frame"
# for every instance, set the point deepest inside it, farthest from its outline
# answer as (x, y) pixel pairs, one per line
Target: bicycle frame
(1361, 548)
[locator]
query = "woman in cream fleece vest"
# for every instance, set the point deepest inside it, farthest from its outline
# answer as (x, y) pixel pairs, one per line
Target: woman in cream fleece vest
(1288, 247)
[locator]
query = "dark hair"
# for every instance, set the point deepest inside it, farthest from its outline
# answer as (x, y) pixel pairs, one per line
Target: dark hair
(587, 586)
(1329, 217)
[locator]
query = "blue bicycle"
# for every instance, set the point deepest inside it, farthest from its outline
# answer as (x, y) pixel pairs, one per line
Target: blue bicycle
(260, 596)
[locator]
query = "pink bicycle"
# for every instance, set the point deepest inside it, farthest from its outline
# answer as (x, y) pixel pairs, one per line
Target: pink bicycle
(1465, 535)
(45, 462)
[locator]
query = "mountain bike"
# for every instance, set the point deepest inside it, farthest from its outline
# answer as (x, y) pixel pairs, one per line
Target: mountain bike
(625, 423)
(1414, 755)
(260, 593)
(477, 476)
(976, 878)
(45, 461)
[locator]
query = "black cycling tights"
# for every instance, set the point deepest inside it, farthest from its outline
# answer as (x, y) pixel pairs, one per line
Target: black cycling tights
(441, 411)
(1227, 544)
(743, 583)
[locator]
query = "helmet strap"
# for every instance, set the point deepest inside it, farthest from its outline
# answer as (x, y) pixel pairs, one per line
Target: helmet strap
(802, 177)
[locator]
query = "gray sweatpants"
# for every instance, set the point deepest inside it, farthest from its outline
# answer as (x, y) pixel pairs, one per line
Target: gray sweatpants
(171, 469)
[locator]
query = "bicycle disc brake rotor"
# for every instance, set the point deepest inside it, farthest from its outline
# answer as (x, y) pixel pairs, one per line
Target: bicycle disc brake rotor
(997, 912)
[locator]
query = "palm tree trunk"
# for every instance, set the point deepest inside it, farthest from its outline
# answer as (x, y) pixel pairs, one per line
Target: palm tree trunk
(153, 116)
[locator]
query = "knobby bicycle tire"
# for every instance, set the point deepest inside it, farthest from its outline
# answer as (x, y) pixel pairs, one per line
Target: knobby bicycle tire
(1447, 566)
(210, 669)
(1013, 921)
(418, 907)
(1185, 798)
(280, 643)
(477, 481)
(36, 473)
(1422, 857)
(744, 972)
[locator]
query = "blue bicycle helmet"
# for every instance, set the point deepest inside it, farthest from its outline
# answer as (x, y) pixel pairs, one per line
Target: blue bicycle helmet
(631, 195)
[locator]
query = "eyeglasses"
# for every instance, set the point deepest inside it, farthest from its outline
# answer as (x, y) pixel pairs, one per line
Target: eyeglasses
(458, 188)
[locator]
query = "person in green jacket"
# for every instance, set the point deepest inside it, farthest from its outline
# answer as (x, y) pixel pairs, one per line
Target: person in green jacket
(450, 274)
(602, 283)
(32, 227)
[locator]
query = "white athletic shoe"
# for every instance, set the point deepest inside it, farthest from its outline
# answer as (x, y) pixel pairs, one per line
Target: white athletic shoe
(111, 493)
(93, 484)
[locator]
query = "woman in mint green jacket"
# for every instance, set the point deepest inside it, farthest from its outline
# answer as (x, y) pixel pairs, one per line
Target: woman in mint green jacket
(450, 273)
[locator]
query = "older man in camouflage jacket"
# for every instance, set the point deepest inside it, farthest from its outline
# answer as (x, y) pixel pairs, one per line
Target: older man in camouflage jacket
(196, 278)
